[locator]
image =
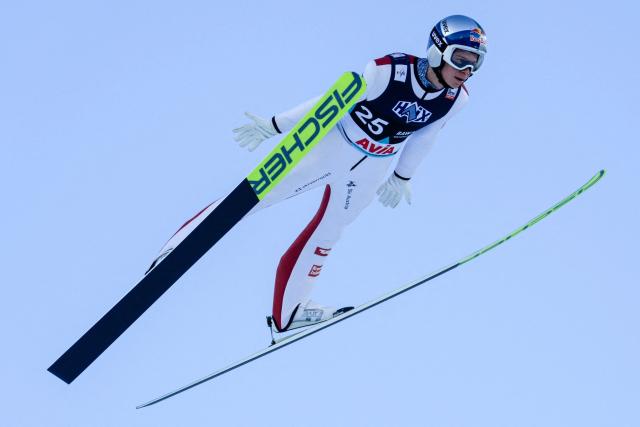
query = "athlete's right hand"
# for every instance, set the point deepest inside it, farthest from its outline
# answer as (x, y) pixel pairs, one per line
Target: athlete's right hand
(393, 190)
(252, 134)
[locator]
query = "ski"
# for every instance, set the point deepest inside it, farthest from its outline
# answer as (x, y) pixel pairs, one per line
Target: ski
(328, 323)
(275, 166)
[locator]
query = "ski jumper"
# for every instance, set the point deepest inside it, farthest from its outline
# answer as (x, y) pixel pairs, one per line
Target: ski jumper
(399, 113)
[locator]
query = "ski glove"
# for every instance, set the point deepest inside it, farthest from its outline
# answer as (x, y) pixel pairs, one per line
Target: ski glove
(393, 189)
(252, 134)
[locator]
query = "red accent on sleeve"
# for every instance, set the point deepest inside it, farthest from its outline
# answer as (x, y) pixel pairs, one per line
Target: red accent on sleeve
(385, 60)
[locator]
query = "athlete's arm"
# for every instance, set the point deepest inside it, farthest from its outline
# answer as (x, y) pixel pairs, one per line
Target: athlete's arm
(252, 134)
(420, 142)
(286, 120)
(376, 83)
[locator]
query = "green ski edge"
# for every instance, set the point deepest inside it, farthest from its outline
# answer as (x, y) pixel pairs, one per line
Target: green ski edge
(320, 326)
(537, 219)
(307, 132)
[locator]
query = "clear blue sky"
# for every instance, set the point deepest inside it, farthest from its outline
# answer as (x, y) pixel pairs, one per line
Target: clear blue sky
(115, 127)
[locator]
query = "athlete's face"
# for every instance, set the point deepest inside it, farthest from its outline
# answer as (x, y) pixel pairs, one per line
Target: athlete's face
(453, 77)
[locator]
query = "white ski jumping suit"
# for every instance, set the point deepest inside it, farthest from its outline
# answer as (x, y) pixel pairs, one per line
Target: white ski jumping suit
(400, 112)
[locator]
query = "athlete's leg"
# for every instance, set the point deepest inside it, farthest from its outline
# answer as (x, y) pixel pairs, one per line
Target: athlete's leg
(302, 263)
(314, 170)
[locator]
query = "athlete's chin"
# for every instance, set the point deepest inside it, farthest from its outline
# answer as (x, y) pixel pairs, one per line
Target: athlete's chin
(455, 82)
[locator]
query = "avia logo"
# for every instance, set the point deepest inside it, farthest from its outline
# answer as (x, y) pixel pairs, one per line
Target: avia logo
(375, 149)
(322, 251)
(451, 94)
(412, 112)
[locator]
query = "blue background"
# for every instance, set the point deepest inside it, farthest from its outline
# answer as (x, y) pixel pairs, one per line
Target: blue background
(115, 127)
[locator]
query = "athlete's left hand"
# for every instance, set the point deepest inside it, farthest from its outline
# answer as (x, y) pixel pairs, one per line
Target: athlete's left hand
(392, 191)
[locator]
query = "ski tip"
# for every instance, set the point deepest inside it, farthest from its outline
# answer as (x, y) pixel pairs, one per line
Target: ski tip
(595, 178)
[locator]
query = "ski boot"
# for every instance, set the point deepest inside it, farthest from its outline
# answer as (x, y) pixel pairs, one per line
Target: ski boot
(307, 315)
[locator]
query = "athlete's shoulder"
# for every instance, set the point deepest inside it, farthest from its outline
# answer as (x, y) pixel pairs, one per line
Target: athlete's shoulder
(395, 57)
(377, 74)
(459, 101)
